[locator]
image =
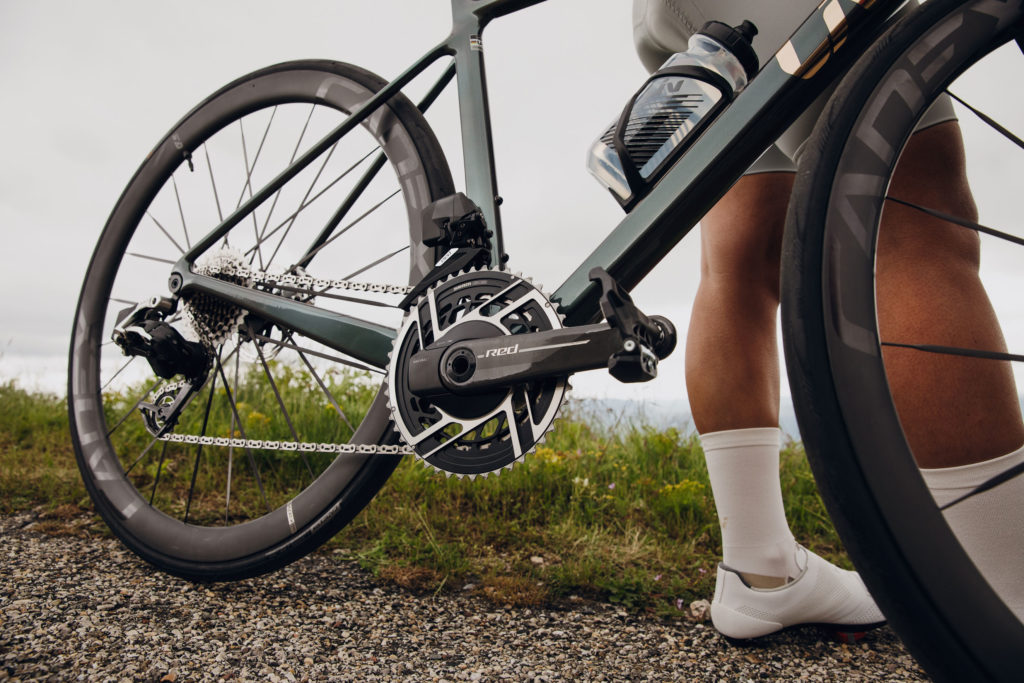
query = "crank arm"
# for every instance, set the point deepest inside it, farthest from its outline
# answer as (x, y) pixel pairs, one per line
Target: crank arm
(479, 365)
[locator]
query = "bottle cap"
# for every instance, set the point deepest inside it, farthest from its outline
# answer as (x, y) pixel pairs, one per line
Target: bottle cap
(736, 40)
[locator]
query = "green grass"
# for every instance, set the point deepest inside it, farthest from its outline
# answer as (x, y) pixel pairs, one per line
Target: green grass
(625, 516)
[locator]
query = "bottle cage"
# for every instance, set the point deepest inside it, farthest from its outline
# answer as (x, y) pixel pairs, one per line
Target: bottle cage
(638, 185)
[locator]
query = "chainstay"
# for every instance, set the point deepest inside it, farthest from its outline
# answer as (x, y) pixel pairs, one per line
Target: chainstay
(295, 446)
(310, 284)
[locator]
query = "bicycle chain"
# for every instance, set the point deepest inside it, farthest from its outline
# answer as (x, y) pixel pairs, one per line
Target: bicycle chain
(314, 286)
(308, 282)
(296, 446)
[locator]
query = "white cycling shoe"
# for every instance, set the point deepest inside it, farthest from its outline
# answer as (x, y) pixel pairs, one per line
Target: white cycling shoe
(822, 594)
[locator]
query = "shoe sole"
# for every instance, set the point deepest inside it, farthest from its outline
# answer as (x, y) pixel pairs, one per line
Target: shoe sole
(843, 633)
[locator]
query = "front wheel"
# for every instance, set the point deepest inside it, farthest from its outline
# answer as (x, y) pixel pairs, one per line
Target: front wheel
(903, 325)
(260, 468)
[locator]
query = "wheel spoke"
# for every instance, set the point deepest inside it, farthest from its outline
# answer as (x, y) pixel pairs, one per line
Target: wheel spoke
(245, 156)
(277, 195)
(280, 403)
(213, 184)
(995, 481)
(303, 204)
(141, 455)
(259, 150)
(119, 371)
(248, 174)
(970, 225)
(306, 204)
(231, 426)
(231, 449)
(379, 261)
(327, 392)
(364, 182)
(348, 227)
(199, 447)
(135, 407)
(958, 351)
(992, 123)
(181, 212)
(151, 258)
(247, 185)
(159, 469)
(241, 429)
(164, 231)
(319, 354)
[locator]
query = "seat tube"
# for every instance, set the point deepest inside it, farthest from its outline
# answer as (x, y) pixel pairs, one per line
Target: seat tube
(474, 114)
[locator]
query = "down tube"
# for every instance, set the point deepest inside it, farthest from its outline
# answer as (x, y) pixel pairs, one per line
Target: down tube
(817, 54)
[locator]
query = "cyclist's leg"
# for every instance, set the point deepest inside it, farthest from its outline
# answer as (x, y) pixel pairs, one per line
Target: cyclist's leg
(732, 374)
(732, 377)
(731, 352)
(732, 364)
(955, 410)
(732, 360)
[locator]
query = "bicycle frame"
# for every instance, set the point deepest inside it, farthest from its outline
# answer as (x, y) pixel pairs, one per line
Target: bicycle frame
(821, 50)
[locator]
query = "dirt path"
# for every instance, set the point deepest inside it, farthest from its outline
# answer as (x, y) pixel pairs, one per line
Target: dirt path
(87, 609)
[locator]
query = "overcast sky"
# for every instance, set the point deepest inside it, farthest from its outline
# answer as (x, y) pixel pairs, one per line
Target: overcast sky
(89, 87)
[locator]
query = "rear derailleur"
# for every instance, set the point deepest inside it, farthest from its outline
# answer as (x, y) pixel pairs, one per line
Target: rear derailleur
(142, 330)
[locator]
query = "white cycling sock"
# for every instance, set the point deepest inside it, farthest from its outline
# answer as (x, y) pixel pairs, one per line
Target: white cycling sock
(743, 465)
(989, 525)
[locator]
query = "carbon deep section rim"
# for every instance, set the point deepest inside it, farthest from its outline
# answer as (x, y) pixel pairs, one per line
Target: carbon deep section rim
(909, 558)
(347, 484)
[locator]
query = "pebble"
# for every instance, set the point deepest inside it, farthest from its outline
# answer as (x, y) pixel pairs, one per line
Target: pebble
(86, 609)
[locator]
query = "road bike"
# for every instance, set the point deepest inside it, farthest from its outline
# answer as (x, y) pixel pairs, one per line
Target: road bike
(304, 298)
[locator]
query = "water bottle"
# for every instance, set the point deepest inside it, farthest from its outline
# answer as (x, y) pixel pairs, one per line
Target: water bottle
(680, 97)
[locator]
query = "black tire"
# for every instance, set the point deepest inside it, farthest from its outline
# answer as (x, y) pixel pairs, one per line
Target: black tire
(217, 512)
(936, 600)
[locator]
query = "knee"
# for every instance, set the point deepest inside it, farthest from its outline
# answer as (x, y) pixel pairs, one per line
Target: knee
(931, 173)
(741, 237)
(747, 273)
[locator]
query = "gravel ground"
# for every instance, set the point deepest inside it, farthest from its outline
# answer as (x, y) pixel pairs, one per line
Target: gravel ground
(87, 609)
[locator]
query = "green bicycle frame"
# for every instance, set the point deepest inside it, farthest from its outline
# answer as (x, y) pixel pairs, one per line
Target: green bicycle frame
(820, 51)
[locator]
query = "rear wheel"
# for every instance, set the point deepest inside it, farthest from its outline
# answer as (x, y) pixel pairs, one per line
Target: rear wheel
(258, 475)
(857, 372)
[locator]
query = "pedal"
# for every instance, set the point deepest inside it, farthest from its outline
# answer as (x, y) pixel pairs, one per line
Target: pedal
(645, 339)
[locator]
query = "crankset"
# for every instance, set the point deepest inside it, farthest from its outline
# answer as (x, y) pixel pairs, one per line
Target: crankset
(490, 430)
(480, 366)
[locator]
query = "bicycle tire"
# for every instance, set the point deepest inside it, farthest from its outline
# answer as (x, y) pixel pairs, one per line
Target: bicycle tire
(166, 505)
(944, 610)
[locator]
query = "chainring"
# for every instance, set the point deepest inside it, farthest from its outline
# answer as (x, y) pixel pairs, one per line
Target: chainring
(483, 433)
